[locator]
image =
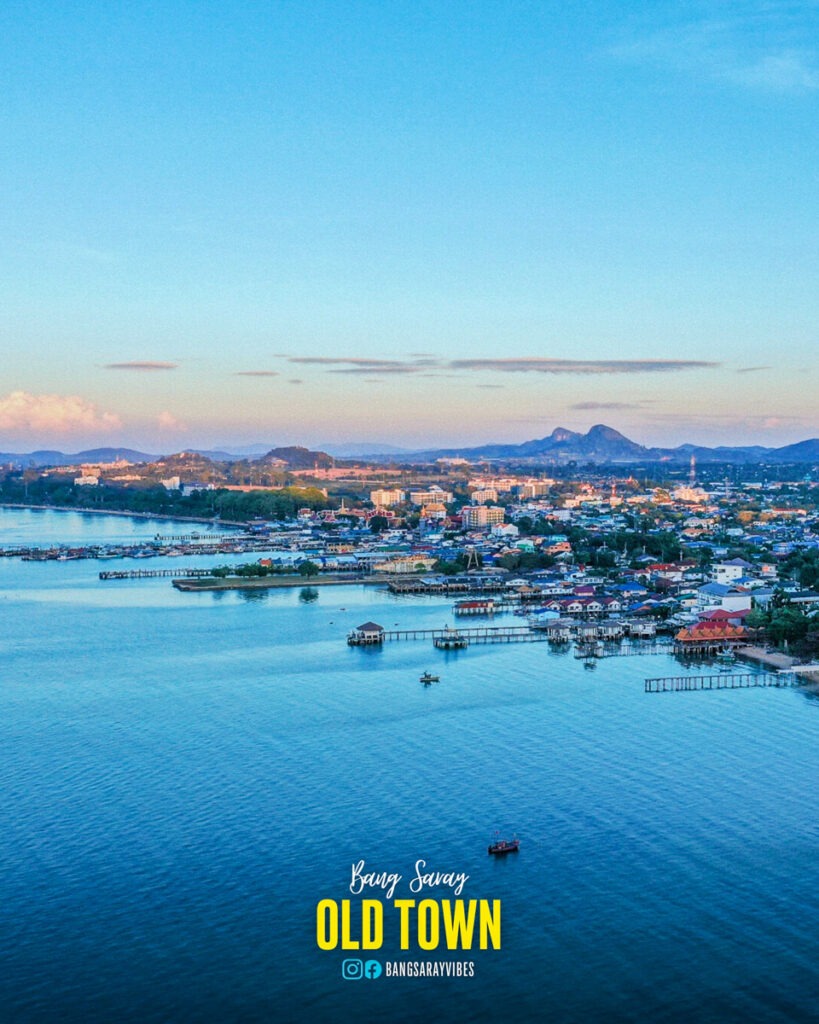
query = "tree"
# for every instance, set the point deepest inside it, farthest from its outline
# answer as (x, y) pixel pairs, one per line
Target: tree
(308, 568)
(378, 524)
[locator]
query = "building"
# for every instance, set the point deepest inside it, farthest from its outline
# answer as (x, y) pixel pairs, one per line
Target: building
(405, 564)
(367, 633)
(435, 495)
(386, 498)
(722, 595)
(729, 572)
(481, 515)
(484, 496)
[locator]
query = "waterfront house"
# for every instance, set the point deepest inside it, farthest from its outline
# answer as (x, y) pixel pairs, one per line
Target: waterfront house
(366, 633)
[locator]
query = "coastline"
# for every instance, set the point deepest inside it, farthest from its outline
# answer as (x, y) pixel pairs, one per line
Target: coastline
(124, 512)
(273, 582)
(772, 659)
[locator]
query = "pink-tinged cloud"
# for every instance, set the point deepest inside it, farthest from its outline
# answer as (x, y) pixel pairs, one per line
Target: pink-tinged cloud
(142, 365)
(53, 414)
(167, 421)
(256, 373)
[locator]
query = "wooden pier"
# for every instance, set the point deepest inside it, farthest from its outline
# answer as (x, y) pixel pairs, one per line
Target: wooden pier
(641, 647)
(721, 681)
(149, 574)
(472, 634)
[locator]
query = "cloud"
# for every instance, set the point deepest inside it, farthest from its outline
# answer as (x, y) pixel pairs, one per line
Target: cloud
(579, 366)
(256, 373)
(752, 369)
(295, 380)
(141, 366)
(351, 365)
(341, 360)
(493, 387)
(355, 365)
(761, 46)
(54, 414)
(590, 406)
(386, 370)
(167, 421)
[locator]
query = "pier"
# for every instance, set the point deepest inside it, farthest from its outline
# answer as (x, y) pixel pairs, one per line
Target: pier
(630, 650)
(149, 574)
(721, 681)
(449, 638)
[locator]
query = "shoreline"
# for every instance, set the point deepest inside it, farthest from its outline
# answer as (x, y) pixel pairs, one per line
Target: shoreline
(772, 659)
(229, 523)
(271, 582)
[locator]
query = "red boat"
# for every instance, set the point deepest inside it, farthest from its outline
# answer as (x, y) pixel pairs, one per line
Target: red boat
(501, 846)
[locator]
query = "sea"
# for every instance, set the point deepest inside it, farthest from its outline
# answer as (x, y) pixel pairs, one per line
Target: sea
(185, 777)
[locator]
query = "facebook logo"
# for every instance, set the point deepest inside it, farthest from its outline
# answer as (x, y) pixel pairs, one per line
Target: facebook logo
(355, 970)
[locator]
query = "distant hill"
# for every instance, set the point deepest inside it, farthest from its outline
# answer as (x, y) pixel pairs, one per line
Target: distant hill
(296, 457)
(55, 458)
(363, 449)
(604, 444)
(601, 444)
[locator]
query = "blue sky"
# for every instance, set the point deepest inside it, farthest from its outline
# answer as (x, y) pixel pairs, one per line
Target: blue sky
(407, 222)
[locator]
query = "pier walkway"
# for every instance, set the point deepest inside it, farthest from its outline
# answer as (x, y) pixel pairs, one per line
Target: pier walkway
(471, 634)
(149, 574)
(721, 681)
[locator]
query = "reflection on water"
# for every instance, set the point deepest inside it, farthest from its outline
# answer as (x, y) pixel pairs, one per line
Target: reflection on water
(186, 775)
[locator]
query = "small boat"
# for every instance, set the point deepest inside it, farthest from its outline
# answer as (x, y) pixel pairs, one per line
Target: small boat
(502, 846)
(428, 678)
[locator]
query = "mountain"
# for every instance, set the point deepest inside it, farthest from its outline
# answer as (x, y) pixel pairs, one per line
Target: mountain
(603, 444)
(296, 457)
(55, 458)
(802, 451)
(362, 449)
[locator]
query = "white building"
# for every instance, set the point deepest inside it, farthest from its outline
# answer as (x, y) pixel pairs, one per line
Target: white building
(481, 515)
(482, 497)
(386, 498)
(727, 572)
(435, 495)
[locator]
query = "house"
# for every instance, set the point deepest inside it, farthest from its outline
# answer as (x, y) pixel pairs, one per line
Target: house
(723, 595)
(730, 571)
(366, 633)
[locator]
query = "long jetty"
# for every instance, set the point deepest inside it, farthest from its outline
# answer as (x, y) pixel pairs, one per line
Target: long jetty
(149, 574)
(472, 634)
(722, 681)
(630, 650)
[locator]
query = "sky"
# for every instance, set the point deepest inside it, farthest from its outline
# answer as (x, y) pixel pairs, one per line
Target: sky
(412, 223)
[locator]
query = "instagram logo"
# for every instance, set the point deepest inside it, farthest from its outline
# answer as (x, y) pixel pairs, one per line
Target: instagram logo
(352, 970)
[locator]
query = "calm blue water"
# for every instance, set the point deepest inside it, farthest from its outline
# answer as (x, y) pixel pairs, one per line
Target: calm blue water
(184, 776)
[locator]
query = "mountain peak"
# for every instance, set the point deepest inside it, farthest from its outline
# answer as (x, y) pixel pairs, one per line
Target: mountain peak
(560, 435)
(600, 432)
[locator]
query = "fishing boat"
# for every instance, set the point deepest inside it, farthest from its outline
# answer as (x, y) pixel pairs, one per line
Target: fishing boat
(428, 678)
(499, 847)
